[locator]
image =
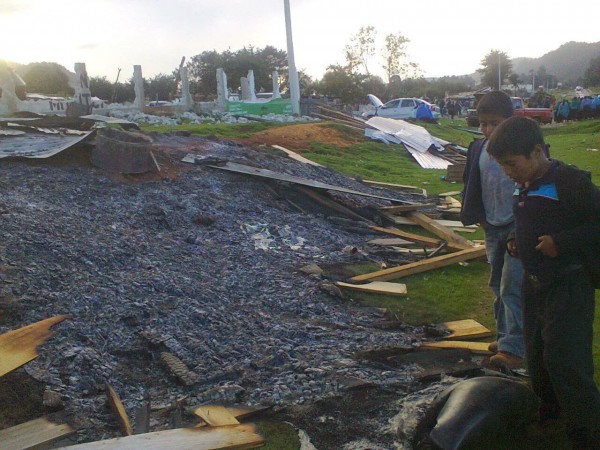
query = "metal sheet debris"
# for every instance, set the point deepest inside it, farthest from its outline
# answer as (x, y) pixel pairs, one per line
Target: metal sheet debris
(36, 145)
(265, 173)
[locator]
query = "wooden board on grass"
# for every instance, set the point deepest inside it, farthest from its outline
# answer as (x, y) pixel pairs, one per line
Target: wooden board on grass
(296, 156)
(236, 437)
(216, 415)
(377, 287)
(18, 347)
(466, 329)
(438, 229)
(390, 241)
(424, 265)
(480, 348)
(34, 434)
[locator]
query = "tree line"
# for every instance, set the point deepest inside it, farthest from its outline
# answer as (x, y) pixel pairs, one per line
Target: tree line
(350, 82)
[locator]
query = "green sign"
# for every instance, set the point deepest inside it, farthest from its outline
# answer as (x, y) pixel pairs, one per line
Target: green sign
(275, 106)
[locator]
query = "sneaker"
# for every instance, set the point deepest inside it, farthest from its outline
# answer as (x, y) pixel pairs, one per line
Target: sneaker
(505, 360)
(493, 347)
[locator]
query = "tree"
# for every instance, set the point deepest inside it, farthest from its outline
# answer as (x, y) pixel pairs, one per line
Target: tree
(541, 76)
(592, 73)
(202, 68)
(160, 87)
(394, 54)
(360, 49)
(337, 82)
(101, 87)
(495, 61)
(46, 78)
(513, 79)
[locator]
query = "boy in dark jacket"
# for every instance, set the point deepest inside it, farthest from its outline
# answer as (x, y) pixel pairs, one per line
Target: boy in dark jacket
(487, 200)
(557, 237)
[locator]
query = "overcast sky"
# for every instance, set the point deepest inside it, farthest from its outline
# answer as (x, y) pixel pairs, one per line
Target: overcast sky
(446, 37)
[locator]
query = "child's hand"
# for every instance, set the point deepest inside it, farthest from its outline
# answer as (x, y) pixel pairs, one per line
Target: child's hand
(511, 248)
(546, 246)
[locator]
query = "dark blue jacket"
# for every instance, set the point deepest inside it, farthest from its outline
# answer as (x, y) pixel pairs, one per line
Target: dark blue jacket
(472, 210)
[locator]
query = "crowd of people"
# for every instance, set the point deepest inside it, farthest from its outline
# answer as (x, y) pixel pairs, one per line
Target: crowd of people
(577, 108)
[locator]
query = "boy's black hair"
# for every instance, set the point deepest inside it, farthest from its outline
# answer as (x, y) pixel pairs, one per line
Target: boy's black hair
(515, 136)
(495, 102)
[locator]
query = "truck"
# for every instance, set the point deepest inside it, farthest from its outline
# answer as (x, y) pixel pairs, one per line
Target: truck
(541, 115)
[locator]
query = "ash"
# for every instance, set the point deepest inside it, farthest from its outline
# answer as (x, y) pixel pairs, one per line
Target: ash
(202, 265)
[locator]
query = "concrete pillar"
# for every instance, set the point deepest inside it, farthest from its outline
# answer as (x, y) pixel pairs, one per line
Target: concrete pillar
(8, 101)
(293, 73)
(275, 77)
(251, 87)
(186, 97)
(83, 95)
(138, 87)
(245, 88)
(222, 93)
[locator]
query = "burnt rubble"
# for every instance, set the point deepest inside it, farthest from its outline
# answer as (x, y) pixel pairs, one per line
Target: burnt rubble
(200, 269)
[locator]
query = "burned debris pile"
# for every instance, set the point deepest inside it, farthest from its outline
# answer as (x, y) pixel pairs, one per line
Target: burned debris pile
(183, 286)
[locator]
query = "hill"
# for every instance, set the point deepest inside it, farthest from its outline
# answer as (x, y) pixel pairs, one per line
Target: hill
(568, 62)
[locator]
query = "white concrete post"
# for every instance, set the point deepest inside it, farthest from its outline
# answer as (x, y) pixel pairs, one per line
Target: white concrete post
(251, 86)
(83, 94)
(8, 101)
(138, 87)
(293, 73)
(221, 89)
(245, 87)
(275, 77)
(186, 97)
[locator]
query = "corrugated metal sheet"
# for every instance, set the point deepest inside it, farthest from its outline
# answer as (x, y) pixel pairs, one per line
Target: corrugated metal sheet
(414, 135)
(428, 160)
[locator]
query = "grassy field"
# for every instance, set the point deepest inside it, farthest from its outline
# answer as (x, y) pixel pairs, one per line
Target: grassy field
(459, 291)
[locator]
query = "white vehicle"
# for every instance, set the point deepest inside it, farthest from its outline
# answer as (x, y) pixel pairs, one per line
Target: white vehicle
(399, 108)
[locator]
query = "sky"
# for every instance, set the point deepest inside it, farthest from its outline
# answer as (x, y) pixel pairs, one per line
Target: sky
(446, 37)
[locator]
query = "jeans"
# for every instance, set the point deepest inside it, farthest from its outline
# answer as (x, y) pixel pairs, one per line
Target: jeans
(559, 332)
(505, 282)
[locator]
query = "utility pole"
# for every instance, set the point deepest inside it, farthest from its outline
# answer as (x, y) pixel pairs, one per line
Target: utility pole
(499, 72)
(293, 73)
(115, 87)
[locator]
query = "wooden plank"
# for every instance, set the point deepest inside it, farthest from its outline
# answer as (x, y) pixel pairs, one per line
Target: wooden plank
(425, 265)
(390, 241)
(404, 208)
(467, 328)
(296, 156)
(425, 240)
(480, 348)
(377, 287)
(117, 407)
(401, 187)
(216, 415)
(453, 224)
(18, 347)
(34, 433)
(436, 228)
(237, 437)
(328, 203)
(142, 418)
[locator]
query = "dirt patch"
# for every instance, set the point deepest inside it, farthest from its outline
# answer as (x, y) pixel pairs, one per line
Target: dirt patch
(299, 137)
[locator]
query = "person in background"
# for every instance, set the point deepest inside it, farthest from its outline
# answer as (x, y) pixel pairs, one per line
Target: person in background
(487, 200)
(562, 110)
(557, 237)
(575, 103)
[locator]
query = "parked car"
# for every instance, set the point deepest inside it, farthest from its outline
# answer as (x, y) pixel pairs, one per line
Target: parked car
(399, 108)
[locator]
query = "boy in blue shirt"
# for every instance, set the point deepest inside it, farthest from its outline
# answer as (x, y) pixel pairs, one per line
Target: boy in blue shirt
(557, 237)
(487, 200)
